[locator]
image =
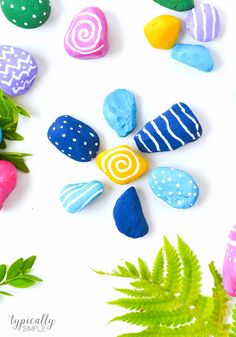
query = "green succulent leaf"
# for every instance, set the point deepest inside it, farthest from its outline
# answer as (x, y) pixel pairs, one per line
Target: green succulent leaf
(21, 283)
(15, 269)
(17, 159)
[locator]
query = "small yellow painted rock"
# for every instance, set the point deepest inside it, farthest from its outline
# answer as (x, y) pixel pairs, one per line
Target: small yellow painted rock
(122, 164)
(163, 31)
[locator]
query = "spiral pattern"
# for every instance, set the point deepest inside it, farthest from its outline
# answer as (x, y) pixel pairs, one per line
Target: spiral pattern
(121, 163)
(85, 33)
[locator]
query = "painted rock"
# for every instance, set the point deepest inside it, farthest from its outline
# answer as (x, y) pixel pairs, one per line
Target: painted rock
(203, 23)
(122, 164)
(0, 135)
(18, 70)
(163, 31)
(177, 5)
(174, 128)
(75, 197)
(74, 138)
(177, 188)
(26, 13)
(128, 215)
(229, 267)
(195, 56)
(87, 36)
(8, 180)
(119, 110)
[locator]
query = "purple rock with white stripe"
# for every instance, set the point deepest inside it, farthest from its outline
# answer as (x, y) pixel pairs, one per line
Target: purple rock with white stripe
(169, 131)
(74, 138)
(18, 70)
(203, 23)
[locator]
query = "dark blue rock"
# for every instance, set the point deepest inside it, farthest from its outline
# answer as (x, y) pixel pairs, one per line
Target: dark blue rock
(169, 131)
(74, 138)
(128, 215)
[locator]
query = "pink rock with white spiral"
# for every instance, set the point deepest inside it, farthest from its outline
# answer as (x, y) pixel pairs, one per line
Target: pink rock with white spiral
(229, 268)
(87, 36)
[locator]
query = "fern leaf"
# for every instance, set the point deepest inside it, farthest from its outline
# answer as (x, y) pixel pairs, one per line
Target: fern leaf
(135, 292)
(219, 329)
(156, 318)
(191, 281)
(144, 270)
(173, 268)
(233, 327)
(151, 288)
(203, 308)
(147, 303)
(158, 268)
(132, 269)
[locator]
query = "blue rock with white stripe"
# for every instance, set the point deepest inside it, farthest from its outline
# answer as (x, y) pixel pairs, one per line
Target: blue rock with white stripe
(175, 187)
(74, 138)
(169, 131)
(75, 197)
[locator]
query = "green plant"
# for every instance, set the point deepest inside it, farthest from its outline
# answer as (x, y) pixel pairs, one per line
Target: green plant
(167, 300)
(18, 275)
(9, 117)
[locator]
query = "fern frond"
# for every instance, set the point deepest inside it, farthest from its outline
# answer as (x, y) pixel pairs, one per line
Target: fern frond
(191, 281)
(203, 308)
(132, 269)
(153, 288)
(233, 327)
(156, 318)
(219, 329)
(144, 270)
(158, 268)
(135, 292)
(147, 303)
(172, 280)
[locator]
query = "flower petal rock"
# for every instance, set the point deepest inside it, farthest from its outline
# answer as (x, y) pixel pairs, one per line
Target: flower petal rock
(169, 131)
(75, 197)
(195, 56)
(119, 110)
(122, 164)
(177, 5)
(87, 36)
(177, 188)
(74, 138)
(26, 13)
(203, 23)
(8, 180)
(18, 70)
(163, 31)
(128, 215)
(229, 267)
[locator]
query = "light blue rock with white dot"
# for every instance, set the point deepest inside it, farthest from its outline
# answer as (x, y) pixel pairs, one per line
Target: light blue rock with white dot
(177, 188)
(75, 197)
(120, 110)
(74, 138)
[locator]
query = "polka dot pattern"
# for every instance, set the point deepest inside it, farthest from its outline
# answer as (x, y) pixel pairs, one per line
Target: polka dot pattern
(27, 13)
(177, 188)
(81, 146)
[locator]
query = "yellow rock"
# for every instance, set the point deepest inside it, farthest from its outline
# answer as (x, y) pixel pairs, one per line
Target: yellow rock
(122, 164)
(163, 31)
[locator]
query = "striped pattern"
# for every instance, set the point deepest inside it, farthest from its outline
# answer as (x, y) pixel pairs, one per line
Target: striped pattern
(75, 197)
(203, 23)
(174, 128)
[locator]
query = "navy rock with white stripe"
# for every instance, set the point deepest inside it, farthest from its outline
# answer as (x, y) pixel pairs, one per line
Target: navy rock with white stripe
(169, 131)
(75, 197)
(74, 138)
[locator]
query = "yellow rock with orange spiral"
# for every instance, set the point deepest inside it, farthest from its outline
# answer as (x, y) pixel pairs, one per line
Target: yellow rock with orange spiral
(122, 164)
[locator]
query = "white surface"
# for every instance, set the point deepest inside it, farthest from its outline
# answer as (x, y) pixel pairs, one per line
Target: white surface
(33, 221)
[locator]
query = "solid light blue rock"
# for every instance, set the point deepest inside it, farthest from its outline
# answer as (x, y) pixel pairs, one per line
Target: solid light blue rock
(0, 135)
(75, 197)
(128, 215)
(120, 110)
(177, 188)
(195, 56)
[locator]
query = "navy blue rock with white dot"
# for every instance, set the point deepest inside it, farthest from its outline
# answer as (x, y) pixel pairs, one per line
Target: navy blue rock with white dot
(177, 188)
(74, 138)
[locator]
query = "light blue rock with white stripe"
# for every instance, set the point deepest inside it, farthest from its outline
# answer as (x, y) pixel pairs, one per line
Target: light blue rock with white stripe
(75, 197)
(174, 128)
(177, 188)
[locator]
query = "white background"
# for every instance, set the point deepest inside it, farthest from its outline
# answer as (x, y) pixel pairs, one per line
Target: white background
(33, 221)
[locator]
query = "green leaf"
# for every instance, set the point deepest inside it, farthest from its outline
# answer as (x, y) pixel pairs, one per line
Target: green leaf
(22, 111)
(144, 270)
(158, 268)
(3, 144)
(15, 269)
(32, 278)
(28, 264)
(233, 327)
(5, 293)
(3, 270)
(132, 269)
(21, 283)
(16, 159)
(12, 135)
